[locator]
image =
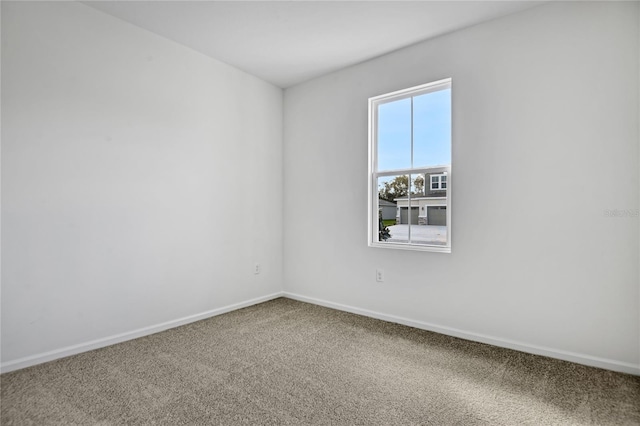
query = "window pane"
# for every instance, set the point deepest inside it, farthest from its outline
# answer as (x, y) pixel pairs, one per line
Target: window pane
(417, 185)
(394, 135)
(393, 208)
(432, 226)
(432, 129)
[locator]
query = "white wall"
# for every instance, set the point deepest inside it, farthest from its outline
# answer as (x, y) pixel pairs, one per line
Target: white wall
(545, 110)
(140, 181)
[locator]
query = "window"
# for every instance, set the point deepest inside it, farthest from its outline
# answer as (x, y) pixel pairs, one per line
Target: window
(410, 168)
(438, 182)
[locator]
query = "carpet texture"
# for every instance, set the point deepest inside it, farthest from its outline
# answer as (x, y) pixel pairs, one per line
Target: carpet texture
(285, 362)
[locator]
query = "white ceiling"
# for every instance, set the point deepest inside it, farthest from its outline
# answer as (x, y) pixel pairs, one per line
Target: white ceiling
(288, 42)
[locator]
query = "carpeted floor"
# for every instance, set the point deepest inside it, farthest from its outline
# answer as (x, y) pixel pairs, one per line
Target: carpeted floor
(287, 362)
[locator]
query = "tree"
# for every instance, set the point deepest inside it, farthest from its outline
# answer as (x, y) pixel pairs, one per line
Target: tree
(418, 185)
(398, 187)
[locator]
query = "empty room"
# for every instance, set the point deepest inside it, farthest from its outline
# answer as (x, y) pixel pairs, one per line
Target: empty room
(320, 212)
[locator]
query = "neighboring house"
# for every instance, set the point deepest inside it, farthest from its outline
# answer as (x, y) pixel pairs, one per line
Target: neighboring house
(388, 209)
(429, 208)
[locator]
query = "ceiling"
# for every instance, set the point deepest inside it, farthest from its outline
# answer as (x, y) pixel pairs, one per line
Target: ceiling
(288, 42)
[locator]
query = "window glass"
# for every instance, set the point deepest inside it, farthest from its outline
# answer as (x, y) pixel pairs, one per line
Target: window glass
(394, 135)
(432, 129)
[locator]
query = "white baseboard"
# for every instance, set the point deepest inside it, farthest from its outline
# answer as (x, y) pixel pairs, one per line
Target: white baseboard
(608, 364)
(592, 361)
(29, 361)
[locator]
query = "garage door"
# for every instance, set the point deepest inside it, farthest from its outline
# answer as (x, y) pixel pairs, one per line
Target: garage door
(437, 215)
(404, 211)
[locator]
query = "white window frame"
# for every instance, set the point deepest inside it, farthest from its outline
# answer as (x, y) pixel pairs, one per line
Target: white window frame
(374, 174)
(439, 188)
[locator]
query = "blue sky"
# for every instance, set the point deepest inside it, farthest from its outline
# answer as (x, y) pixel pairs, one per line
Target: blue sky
(432, 132)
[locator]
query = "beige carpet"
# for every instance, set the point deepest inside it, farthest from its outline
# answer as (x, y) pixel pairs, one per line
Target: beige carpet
(286, 362)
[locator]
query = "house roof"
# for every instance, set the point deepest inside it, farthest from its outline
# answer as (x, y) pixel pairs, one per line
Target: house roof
(422, 197)
(385, 203)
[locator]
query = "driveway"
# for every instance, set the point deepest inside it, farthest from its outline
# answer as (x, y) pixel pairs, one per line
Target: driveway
(420, 234)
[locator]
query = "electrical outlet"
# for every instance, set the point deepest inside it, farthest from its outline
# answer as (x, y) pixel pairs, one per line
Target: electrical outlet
(380, 275)
(256, 268)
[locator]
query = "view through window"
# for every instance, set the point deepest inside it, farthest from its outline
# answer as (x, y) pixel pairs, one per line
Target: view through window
(410, 167)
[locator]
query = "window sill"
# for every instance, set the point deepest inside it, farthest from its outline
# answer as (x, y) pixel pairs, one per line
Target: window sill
(413, 247)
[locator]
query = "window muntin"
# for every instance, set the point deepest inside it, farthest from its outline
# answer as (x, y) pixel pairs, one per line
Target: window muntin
(410, 139)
